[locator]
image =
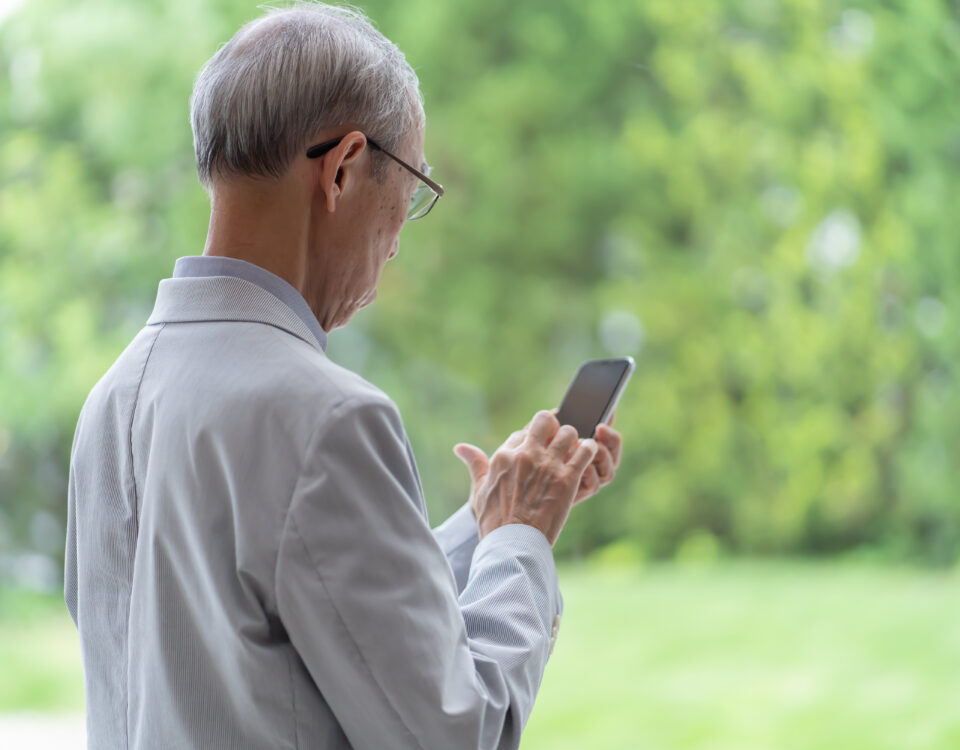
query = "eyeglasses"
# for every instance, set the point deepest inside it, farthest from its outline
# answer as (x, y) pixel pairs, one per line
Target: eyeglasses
(426, 194)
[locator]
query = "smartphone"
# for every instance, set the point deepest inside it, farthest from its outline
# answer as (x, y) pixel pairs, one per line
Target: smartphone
(593, 394)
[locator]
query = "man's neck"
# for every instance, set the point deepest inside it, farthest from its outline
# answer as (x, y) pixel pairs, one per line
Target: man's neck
(255, 224)
(269, 229)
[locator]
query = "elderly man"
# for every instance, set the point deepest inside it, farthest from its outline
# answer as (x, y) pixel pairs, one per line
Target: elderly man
(249, 560)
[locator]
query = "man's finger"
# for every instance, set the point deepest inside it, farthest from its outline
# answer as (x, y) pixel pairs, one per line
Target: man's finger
(603, 463)
(475, 459)
(590, 482)
(563, 441)
(583, 455)
(612, 440)
(515, 439)
(543, 427)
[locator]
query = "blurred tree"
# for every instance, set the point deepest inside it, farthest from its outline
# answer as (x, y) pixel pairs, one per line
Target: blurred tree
(751, 197)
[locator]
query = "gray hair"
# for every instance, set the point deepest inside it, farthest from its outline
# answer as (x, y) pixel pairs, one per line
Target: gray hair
(290, 74)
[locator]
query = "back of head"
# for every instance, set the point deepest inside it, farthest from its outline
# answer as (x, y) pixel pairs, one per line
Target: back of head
(291, 74)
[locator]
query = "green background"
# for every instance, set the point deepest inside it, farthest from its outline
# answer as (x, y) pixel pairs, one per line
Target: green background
(736, 656)
(754, 198)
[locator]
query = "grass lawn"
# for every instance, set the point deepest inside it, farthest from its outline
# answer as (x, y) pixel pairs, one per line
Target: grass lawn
(39, 655)
(738, 656)
(744, 656)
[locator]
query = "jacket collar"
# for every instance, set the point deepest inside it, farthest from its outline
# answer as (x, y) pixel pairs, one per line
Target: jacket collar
(196, 298)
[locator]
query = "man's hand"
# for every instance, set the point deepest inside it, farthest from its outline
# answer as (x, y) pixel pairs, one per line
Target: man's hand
(532, 478)
(599, 473)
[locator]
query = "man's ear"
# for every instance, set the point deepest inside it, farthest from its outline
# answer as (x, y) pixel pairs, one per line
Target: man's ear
(337, 167)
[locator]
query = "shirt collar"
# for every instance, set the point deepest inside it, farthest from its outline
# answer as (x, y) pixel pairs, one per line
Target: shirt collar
(214, 265)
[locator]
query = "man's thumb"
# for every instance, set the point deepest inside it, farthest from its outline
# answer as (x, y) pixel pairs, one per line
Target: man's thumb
(476, 460)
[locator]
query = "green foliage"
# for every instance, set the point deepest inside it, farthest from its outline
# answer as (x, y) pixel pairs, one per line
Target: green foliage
(752, 198)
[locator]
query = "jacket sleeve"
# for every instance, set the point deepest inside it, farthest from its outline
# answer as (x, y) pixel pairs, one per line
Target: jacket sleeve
(370, 602)
(70, 553)
(70, 578)
(458, 537)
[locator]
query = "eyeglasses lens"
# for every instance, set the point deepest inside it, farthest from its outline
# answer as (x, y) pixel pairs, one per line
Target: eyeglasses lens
(421, 202)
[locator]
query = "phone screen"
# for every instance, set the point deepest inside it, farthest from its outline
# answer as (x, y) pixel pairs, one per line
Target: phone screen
(593, 394)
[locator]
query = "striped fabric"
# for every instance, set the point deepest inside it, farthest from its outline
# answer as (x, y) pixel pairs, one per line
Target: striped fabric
(249, 561)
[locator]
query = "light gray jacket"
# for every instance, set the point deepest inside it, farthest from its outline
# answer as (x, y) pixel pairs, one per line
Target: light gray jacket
(249, 561)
